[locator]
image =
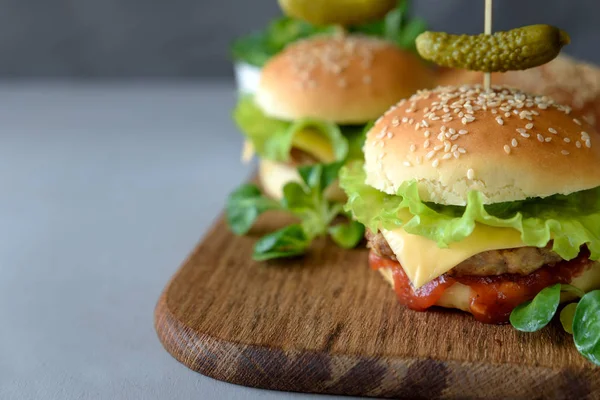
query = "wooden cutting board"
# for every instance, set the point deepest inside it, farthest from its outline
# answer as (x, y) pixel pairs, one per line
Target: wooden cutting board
(326, 323)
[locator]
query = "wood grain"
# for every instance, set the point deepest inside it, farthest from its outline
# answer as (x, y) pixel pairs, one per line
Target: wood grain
(326, 323)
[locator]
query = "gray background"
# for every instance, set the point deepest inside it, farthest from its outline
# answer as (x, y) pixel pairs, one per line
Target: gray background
(190, 38)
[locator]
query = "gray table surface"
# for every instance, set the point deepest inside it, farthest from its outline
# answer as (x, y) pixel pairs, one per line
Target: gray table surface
(105, 190)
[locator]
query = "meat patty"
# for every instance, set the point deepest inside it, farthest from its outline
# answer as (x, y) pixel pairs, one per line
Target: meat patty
(520, 260)
(300, 157)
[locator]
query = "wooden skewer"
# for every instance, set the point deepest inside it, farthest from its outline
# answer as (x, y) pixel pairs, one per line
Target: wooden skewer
(487, 77)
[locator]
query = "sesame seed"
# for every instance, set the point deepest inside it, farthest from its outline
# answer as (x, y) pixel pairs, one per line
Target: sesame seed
(395, 122)
(578, 122)
(447, 156)
(507, 149)
(454, 147)
(464, 121)
(525, 135)
(404, 120)
(413, 147)
(407, 163)
(426, 144)
(552, 130)
(500, 121)
(461, 150)
(430, 155)
(456, 154)
(390, 135)
(521, 131)
(419, 160)
(435, 163)
(425, 124)
(426, 134)
(381, 134)
(588, 144)
(470, 174)
(585, 136)
(567, 140)
(411, 121)
(454, 137)
(514, 143)
(529, 126)
(548, 139)
(507, 114)
(564, 152)
(578, 144)
(463, 132)
(540, 138)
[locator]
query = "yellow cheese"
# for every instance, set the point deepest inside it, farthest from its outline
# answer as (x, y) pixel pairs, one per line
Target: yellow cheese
(423, 260)
(314, 143)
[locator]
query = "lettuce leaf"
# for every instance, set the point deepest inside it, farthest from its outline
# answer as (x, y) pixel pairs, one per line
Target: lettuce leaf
(258, 47)
(397, 26)
(569, 221)
(272, 138)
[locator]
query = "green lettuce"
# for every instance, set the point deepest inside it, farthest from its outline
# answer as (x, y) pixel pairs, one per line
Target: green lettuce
(272, 138)
(258, 47)
(569, 221)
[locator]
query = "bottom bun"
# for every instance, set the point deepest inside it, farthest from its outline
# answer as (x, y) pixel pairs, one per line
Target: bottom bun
(274, 175)
(459, 296)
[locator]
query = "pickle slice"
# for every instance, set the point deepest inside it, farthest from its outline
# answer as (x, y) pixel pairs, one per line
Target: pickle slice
(338, 12)
(517, 49)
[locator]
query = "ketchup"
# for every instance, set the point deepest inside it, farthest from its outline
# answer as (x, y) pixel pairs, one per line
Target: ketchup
(492, 297)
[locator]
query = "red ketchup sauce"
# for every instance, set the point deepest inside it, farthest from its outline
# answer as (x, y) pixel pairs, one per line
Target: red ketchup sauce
(492, 297)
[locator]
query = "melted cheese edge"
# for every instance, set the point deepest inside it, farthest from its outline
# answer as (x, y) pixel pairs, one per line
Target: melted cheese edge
(307, 139)
(423, 260)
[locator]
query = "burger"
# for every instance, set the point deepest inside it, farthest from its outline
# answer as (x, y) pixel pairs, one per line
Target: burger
(315, 100)
(567, 80)
(477, 200)
(251, 52)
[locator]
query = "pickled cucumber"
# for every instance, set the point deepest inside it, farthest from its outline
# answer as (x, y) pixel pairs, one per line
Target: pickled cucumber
(517, 49)
(338, 12)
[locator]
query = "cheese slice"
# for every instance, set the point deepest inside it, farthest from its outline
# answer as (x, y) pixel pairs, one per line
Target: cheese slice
(314, 143)
(423, 260)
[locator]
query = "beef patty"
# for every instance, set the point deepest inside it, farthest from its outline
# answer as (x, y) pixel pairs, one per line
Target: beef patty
(520, 260)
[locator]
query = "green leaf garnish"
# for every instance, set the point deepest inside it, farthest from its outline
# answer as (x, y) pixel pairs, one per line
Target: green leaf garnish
(586, 326)
(290, 241)
(347, 235)
(535, 314)
(566, 317)
(244, 205)
(306, 201)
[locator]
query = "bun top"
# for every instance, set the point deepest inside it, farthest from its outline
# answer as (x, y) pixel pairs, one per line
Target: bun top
(567, 80)
(506, 144)
(344, 79)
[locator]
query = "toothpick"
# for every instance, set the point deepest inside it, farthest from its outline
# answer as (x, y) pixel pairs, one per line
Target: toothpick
(487, 77)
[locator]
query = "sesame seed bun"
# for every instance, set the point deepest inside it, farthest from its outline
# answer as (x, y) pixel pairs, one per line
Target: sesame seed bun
(459, 296)
(567, 80)
(344, 79)
(274, 175)
(521, 146)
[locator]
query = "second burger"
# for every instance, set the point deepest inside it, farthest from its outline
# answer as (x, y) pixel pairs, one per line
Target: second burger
(315, 100)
